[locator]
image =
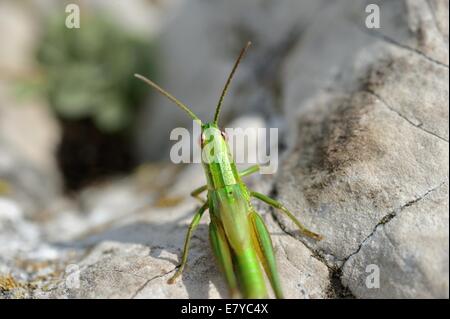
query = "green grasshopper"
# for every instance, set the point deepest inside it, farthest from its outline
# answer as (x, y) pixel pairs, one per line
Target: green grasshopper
(237, 233)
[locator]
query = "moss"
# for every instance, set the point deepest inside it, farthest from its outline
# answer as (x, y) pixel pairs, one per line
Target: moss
(88, 71)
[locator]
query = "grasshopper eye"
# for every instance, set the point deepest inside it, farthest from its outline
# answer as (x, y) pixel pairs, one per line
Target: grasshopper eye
(202, 139)
(224, 135)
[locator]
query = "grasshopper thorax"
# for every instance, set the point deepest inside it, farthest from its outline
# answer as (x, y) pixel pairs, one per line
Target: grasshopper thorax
(217, 161)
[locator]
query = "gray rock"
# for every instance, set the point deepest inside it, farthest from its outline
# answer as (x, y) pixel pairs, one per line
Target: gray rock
(15, 58)
(136, 260)
(16, 233)
(29, 133)
(29, 185)
(410, 249)
(354, 166)
(366, 148)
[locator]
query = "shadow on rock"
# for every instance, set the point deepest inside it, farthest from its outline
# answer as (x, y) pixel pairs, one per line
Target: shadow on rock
(166, 242)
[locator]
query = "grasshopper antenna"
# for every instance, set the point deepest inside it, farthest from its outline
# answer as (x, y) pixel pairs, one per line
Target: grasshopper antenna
(230, 77)
(169, 96)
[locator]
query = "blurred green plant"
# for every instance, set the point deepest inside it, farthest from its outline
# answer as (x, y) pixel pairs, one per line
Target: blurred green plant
(88, 71)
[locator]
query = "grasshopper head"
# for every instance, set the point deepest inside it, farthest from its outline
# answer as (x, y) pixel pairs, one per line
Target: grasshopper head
(212, 133)
(214, 144)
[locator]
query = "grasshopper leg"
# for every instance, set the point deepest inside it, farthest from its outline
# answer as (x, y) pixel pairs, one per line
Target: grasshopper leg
(250, 170)
(264, 248)
(194, 223)
(196, 193)
(222, 253)
(274, 203)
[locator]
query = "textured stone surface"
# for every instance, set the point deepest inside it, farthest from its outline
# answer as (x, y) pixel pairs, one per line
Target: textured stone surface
(365, 162)
(133, 256)
(411, 250)
(366, 151)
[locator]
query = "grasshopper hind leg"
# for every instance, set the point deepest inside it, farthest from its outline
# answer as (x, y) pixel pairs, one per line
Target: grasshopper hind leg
(276, 204)
(264, 248)
(224, 257)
